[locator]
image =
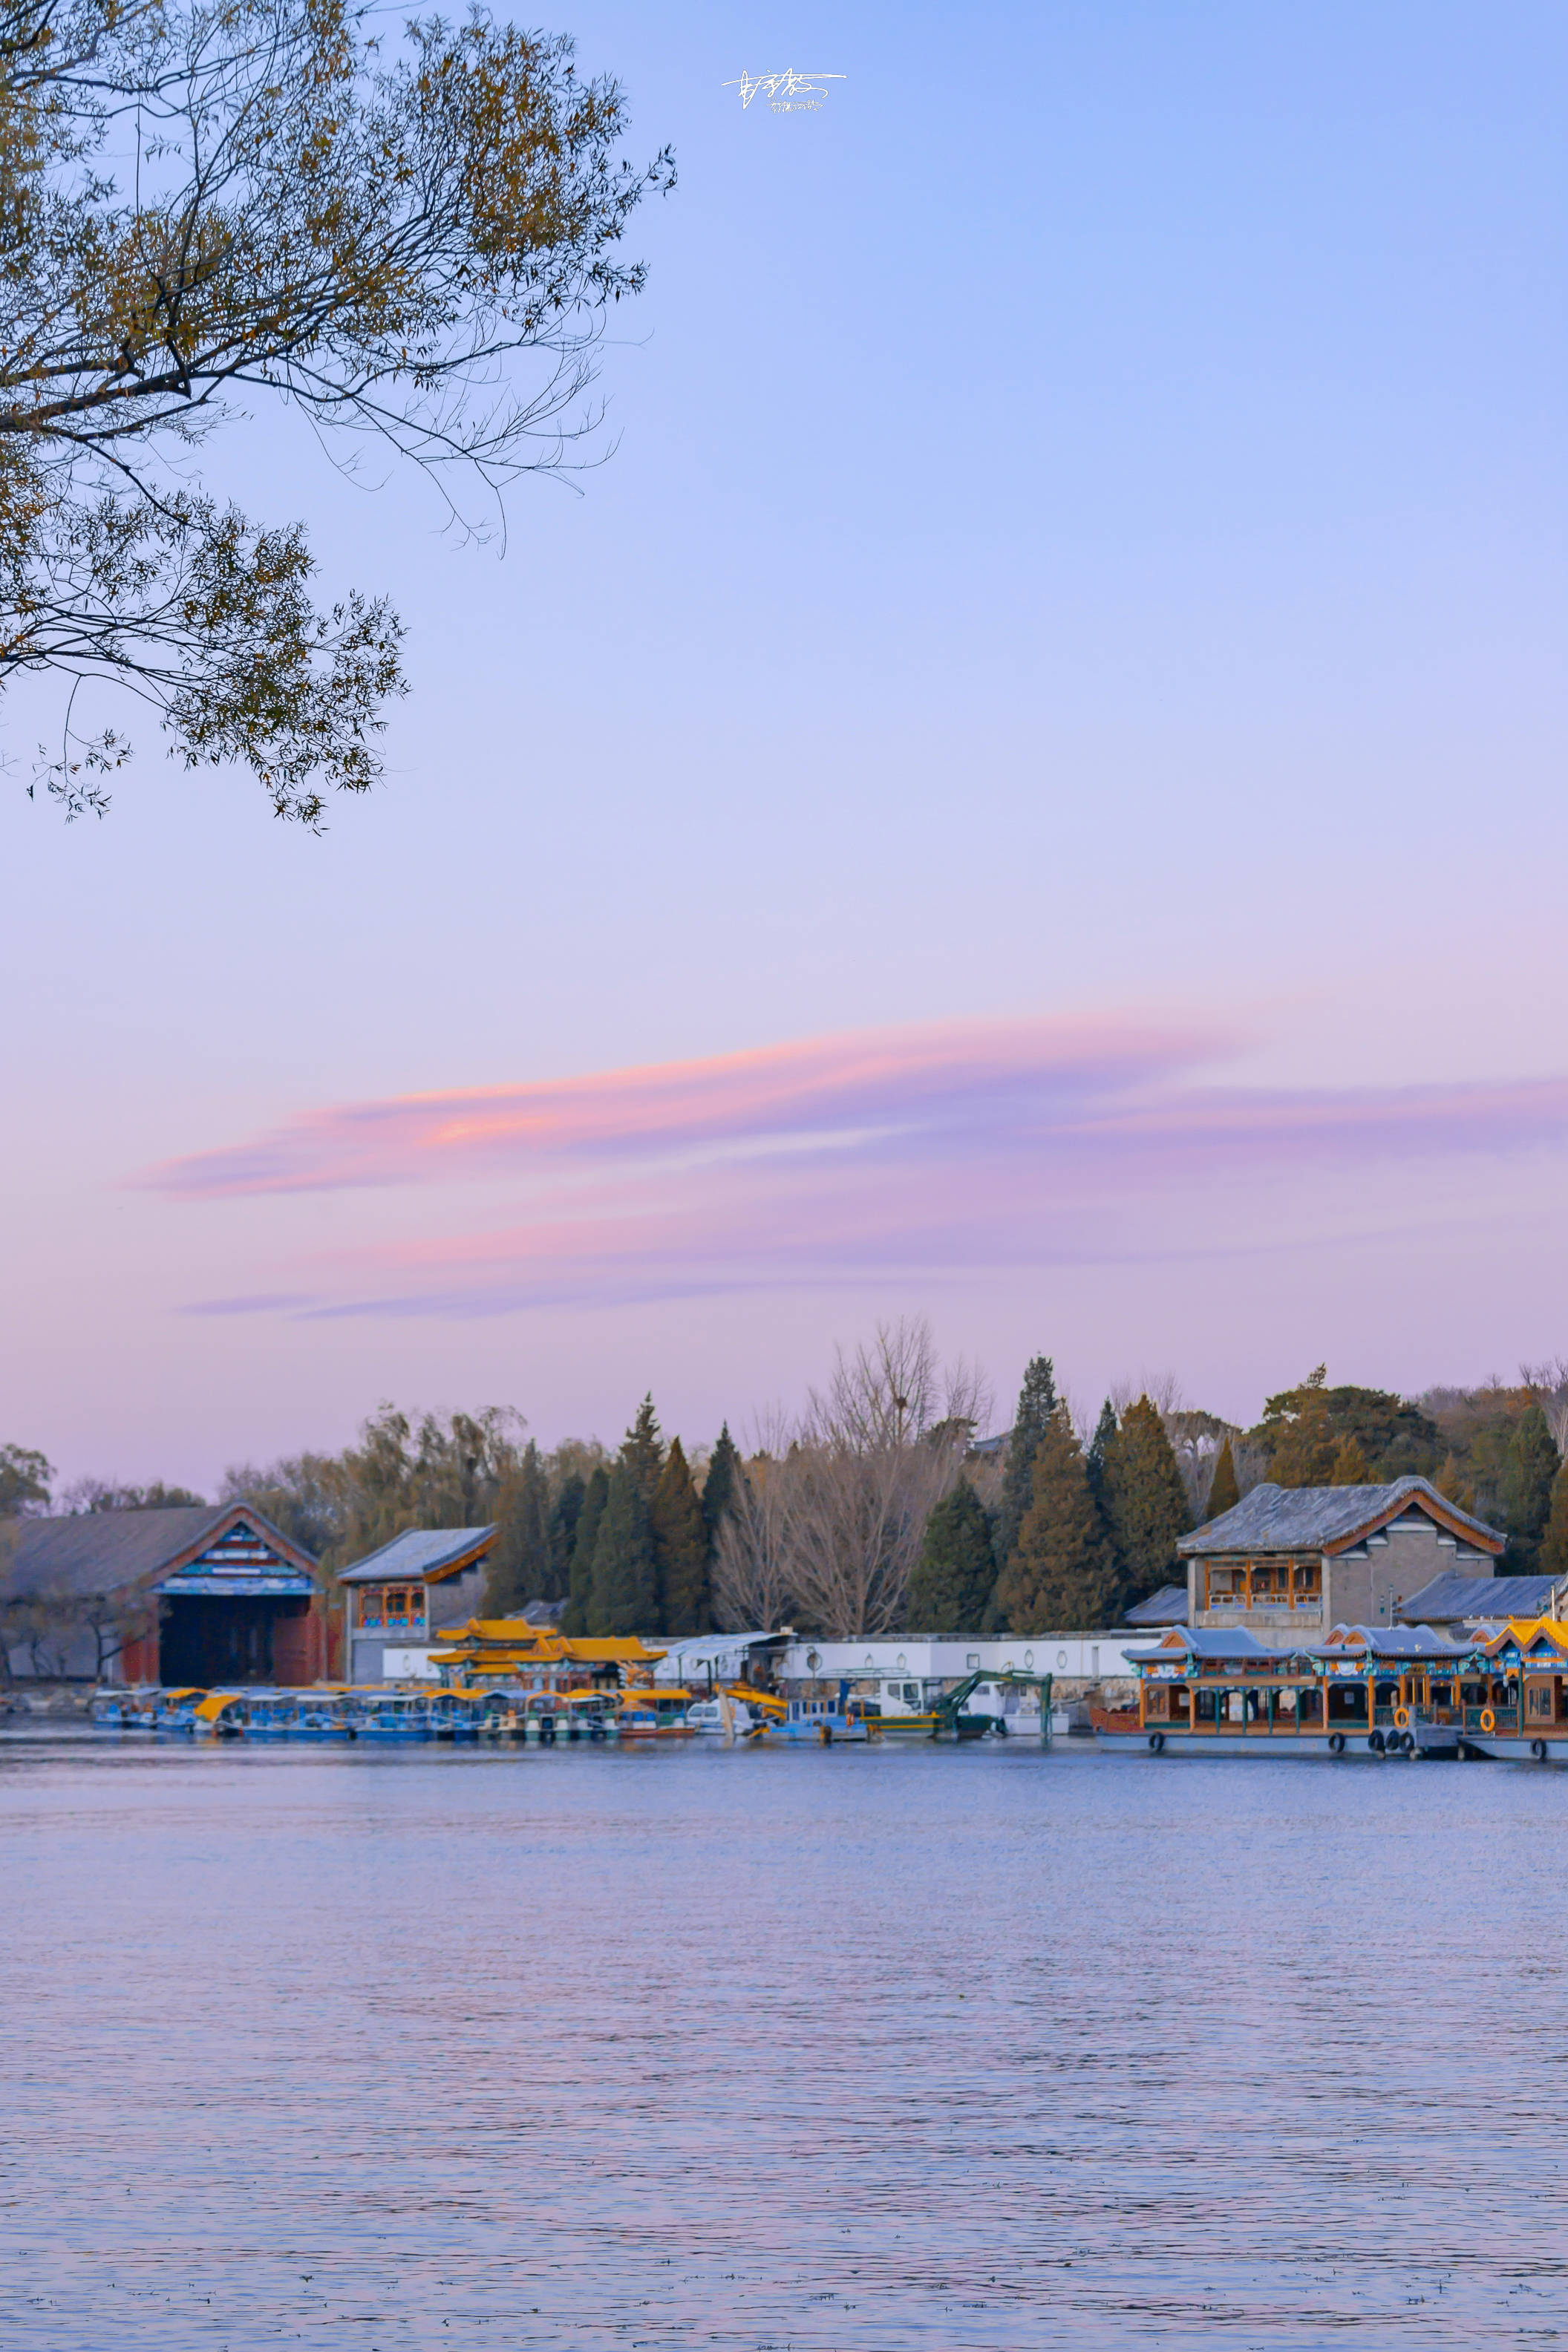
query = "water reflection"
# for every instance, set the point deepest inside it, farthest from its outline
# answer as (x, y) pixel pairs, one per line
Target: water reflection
(826, 2050)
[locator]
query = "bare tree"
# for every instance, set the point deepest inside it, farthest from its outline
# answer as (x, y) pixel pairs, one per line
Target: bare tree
(877, 1451)
(752, 1586)
(1550, 1382)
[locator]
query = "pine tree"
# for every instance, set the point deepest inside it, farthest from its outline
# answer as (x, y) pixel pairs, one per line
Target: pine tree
(722, 1488)
(642, 1451)
(520, 1564)
(1552, 1558)
(580, 1591)
(1452, 1482)
(1037, 1403)
(1351, 1467)
(1061, 1576)
(1224, 1492)
(626, 1583)
(950, 1588)
(1145, 1500)
(1529, 1469)
(1094, 1461)
(563, 1518)
(1304, 1450)
(680, 1550)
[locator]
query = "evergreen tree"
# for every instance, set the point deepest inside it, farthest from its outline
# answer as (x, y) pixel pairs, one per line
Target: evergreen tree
(1062, 1576)
(1145, 1500)
(520, 1564)
(1452, 1482)
(950, 1588)
(625, 1582)
(1351, 1467)
(1552, 1558)
(680, 1550)
(563, 1518)
(1224, 1492)
(1305, 1442)
(722, 1488)
(1037, 1403)
(580, 1591)
(1529, 1468)
(642, 1451)
(1094, 1461)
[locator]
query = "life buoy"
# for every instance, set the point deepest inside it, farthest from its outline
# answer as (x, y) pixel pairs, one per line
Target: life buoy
(1337, 1742)
(1157, 1741)
(1402, 1717)
(1488, 1720)
(1538, 1749)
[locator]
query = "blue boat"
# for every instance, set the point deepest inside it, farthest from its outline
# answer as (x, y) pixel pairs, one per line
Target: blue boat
(391, 1715)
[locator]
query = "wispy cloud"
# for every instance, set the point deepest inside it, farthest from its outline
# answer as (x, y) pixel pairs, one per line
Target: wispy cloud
(867, 1091)
(849, 1160)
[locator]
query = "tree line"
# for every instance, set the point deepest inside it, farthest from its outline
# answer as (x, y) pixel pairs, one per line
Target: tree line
(881, 1509)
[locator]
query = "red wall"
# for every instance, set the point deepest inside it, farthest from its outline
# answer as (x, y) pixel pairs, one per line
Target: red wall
(299, 1646)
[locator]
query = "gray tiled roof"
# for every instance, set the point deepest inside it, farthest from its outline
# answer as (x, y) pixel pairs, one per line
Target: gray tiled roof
(421, 1551)
(1167, 1607)
(1215, 1641)
(1306, 1518)
(1449, 1598)
(1391, 1641)
(105, 1551)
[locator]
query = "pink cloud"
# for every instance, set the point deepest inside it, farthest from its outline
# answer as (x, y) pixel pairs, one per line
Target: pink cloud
(947, 1078)
(968, 1147)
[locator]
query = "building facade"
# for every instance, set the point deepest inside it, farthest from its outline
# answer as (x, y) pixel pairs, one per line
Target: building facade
(1291, 1563)
(201, 1595)
(401, 1602)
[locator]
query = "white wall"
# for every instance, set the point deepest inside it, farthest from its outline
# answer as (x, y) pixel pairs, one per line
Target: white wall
(1087, 1654)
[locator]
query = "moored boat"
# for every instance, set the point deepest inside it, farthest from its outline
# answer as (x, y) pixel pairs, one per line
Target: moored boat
(1364, 1691)
(1524, 1714)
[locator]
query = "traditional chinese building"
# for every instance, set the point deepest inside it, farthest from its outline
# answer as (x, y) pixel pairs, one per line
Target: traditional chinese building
(1293, 1562)
(201, 1594)
(405, 1597)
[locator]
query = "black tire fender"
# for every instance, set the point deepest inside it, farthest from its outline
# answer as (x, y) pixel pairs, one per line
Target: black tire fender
(1337, 1743)
(1538, 1749)
(1376, 1743)
(1157, 1742)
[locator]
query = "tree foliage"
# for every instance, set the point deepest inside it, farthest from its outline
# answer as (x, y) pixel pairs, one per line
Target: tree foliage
(579, 1609)
(1529, 1473)
(626, 1579)
(26, 1480)
(680, 1550)
(520, 1564)
(952, 1583)
(1037, 1403)
(1062, 1574)
(1224, 1492)
(722, 1487)
(1552, 1560)
(1302, 1429)
(1145, 1501)
(213, 203)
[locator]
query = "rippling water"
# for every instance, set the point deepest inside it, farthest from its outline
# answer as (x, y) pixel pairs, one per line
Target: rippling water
(951, 2048)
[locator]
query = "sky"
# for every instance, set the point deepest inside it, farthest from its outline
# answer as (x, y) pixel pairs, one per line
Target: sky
(1025, 789)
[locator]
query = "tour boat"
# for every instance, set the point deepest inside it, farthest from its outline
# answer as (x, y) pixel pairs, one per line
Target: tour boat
(1364, 1691)
(1524, 1716)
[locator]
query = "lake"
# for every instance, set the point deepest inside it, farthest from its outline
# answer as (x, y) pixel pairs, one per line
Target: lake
(979, 2047)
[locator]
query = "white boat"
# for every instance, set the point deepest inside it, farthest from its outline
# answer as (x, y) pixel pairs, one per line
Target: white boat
(722, 1716)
